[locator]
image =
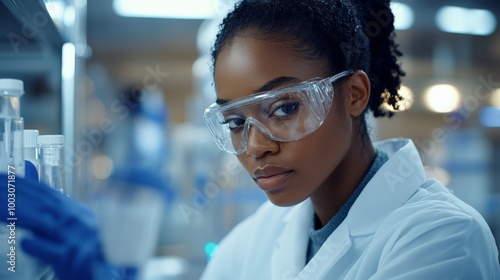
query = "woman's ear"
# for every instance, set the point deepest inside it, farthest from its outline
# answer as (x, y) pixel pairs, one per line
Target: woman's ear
(357, 92)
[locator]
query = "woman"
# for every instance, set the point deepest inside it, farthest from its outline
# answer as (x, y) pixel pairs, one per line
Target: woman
(294, 81)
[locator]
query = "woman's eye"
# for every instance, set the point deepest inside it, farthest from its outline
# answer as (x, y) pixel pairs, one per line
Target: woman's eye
(285, 109)
(234, 122)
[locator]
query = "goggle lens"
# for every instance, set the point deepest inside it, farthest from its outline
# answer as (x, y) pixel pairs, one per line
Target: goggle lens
(284, 115)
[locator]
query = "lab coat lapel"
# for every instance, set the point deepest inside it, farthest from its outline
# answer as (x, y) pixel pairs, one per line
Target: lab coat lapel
(290, 250)
(393, 184)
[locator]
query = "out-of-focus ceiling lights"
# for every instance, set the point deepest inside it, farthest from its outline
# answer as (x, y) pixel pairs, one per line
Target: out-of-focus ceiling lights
(495, 98)
(102, 166)
(448, 18)
(438, 173)
(197, 9)
(466, 21)
(405, 103)
(185, 9)
(55, 9)
(403, 16)
(61, 13)
(442, 98)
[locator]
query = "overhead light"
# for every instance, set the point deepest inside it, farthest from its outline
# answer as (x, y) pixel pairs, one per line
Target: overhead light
(403, 16)
(466, 21)
(102, 166)
(495, 98)
(438, 173)
(404, 104)
(442, 98)
(490, 117)
(69, 17)
(185, 9)
(55, 9)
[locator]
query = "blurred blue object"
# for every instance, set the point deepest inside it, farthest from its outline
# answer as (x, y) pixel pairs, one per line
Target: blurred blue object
(129, 209)
(141, 141)
(133, 178)
(490, 117)
(147, 131)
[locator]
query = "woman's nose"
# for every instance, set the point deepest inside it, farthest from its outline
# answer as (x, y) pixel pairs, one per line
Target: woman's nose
(259, 144)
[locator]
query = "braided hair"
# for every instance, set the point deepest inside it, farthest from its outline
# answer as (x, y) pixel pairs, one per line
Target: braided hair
(349, 34)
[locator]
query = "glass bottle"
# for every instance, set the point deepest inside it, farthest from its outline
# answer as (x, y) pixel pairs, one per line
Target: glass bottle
(11, 127)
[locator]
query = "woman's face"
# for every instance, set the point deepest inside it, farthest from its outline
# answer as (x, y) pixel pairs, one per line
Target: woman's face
(288, 172)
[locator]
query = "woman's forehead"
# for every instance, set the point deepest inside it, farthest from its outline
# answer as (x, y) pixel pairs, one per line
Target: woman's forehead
(248, 63)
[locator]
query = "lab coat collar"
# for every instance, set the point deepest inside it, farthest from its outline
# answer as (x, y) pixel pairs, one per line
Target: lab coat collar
(390, 187)
(291, 246)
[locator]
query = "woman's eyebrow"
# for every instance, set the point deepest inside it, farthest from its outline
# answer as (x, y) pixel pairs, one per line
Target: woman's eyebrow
(272, 84)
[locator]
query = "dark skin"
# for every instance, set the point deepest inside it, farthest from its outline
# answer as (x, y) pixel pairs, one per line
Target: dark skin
(326, 165)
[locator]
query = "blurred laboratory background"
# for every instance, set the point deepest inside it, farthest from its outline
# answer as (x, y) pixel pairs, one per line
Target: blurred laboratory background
(126, 82)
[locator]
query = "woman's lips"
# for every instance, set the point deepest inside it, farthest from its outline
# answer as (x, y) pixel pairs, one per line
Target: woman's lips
(271, 177)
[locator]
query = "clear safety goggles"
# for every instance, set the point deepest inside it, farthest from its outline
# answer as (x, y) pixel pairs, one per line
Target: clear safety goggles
(283, 115)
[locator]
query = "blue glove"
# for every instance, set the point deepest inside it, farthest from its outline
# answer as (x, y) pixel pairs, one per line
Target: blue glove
(65, 233)
(30, 171)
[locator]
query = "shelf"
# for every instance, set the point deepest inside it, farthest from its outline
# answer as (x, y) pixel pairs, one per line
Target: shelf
(27, 26)
(30, 50)
(30, 42)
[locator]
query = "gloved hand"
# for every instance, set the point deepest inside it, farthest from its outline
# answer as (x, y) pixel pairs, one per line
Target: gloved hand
(65, 233)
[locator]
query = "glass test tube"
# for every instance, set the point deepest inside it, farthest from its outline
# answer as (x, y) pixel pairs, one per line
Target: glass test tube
(51, 157)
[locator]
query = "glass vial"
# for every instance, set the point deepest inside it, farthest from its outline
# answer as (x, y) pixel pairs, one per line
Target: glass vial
(51, 157)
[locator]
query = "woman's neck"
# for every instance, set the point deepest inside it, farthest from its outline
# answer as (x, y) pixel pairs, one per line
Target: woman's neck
(342, 182)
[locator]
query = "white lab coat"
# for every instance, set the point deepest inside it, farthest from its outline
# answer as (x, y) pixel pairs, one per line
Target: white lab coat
(402, 226)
